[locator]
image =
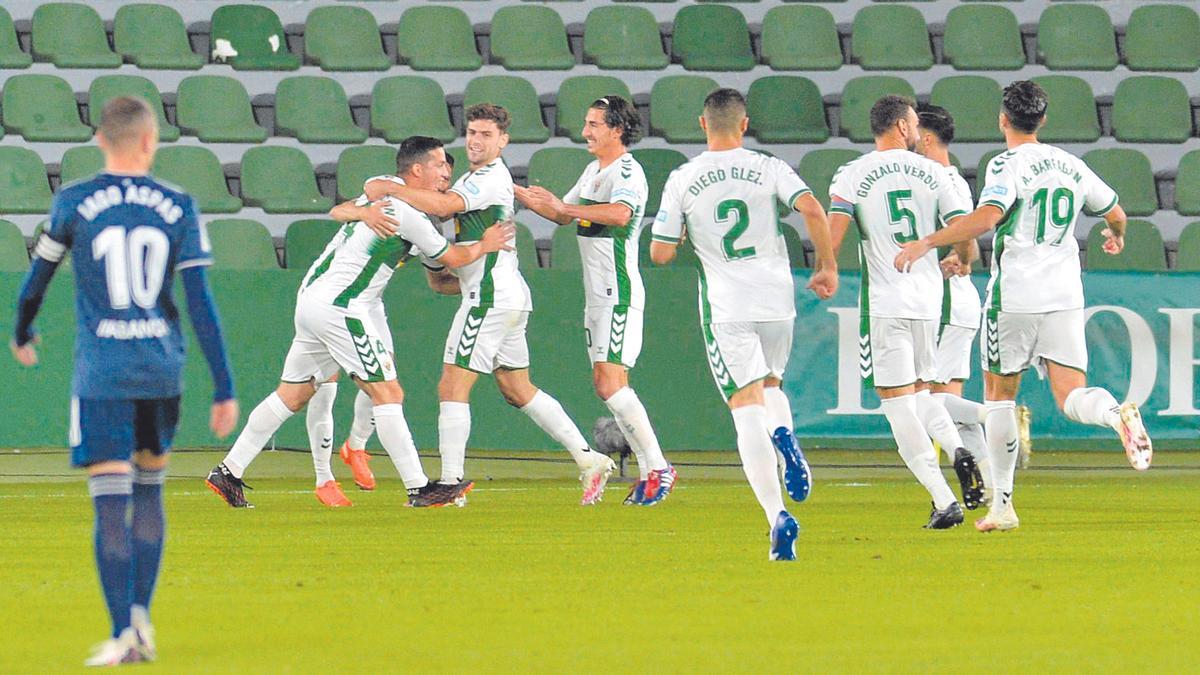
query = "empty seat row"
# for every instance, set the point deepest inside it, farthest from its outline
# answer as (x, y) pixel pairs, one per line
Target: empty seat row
(782, 108)
(533, 37)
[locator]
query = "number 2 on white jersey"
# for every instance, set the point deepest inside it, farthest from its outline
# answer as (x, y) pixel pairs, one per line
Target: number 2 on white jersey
(134, 264)
(737, 211)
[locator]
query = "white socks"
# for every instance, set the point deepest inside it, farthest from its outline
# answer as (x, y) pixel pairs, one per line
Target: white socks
(937, 423)
(962, 410)
(397, 440)
(758, 458)
(1001, 431)
(454, 428)
(319, 420)
(1093, 405)
(915, 448)
(548, 414)
(263, 422)
(364, 422)
(631, 417)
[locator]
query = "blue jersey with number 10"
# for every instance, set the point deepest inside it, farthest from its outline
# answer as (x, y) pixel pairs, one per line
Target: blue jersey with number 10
(127, 236)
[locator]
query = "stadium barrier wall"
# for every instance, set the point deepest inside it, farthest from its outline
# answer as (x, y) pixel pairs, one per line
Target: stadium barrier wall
(1141, 334)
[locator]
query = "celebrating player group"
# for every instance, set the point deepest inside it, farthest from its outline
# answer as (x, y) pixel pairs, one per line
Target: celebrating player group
(917, 229)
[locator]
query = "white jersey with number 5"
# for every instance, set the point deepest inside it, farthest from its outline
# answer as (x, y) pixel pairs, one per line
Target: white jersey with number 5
(1035, 258)
(897, 196)
(726, 202)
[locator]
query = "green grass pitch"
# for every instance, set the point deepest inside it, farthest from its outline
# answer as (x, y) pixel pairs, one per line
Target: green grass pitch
(1101, 576)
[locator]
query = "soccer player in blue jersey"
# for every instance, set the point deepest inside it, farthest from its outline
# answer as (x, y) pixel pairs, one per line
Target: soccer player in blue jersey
(128, 234)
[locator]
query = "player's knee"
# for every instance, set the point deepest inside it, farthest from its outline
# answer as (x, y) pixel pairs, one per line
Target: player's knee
(606, 385)
(146, 460)
(295, 395)
(384, 393)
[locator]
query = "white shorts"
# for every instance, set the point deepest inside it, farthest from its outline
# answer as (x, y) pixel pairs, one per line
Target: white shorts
(379, 319)
(484, 339)
(952, 360)
(897, 352)
(744, 352)
(330, 338)
(614, 334)
(1013, 342)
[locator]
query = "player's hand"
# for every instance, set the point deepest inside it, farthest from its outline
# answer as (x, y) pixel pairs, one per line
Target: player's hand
(498, 237)
(26, 354)
(1113, 244)
(824, 282)
(374, 217)
(224, 417)
(951, 266)
(910, 253)
(538, 198)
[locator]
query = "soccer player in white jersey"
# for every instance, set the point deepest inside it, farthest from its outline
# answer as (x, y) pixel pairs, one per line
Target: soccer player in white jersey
(488, 332)
(894, 196)
(726, 197)
(959, 321)
(1032, 195)
(335, 329)
(606, 206)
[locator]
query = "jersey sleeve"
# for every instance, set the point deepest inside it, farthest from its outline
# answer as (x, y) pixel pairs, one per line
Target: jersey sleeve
(788, 186)
(418, 230)
(954, 199)
(572, 196)
(195, 249)
(668, 224)
(490, 186)
(56, 239)
(1000, 185)
(628, 186)
(1099, 198)
(841, 193)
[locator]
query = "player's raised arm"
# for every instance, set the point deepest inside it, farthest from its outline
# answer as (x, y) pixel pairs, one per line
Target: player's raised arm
(372, 214)
(437, 204)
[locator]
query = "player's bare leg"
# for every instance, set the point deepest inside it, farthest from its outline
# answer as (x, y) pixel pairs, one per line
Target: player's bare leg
(611, 382)
(761, 468)
(793, 467)
(1096, 406)
(545, 411)
(900, 407)
(1000, 428)
(970, 429)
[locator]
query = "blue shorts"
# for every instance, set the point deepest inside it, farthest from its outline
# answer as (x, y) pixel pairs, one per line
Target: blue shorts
(104, 430)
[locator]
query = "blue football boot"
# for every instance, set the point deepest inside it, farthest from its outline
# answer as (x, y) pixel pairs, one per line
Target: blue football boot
(797, 477)
(636, 494)
(783, 537)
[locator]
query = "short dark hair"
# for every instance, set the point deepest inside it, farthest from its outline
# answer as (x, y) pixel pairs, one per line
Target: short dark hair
(889, 110)
(124, 119)
(490, 111)
(619, 113)
(414, 150)
(937, 120)
(450, 159)
(1025, 104)
(724, 108)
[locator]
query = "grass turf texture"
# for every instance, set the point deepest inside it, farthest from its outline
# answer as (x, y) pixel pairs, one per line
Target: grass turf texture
(1100, 576)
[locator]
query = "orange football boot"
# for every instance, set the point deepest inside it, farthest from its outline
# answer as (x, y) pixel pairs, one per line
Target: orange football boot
(357, 461)
(330, 493)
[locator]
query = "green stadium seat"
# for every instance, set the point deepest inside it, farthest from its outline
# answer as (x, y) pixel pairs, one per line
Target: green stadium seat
(847, 255)
(1076, 36)
(1143, 252)
(107, 87)
(974, 101)
(241, 244)
(71, 35)
(786, 109)
(11, 55)
(1151, 109)
(305, 240)
(527, 255)
(1163, 37)
(80, 163)
(14, 253)
(437, 38)
(624, 38)
(859, 95)
(197, 170)
(800, 38)
(344, 38)
(42, 108)
(216, 109)
(981, 168)
(357, 164)
(1128, 172)
(251, 37)
(281, 180)
(795, 247)
(1072, 116)
(24, 187)
(1187, 258)
(409, 105)
(564, 249)
(712, 37)
(315, 110)
(576, 95)
(154, 37)
(558, 169)
(890, 37)
(530, 37)
(657, 163)
(1187, 184)
(518, 96)
(676, 102)
(817, 169)
(983, 37)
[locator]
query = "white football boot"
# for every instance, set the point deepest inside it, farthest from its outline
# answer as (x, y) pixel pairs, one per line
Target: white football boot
(595, 478)
(116, 651)
(1134, 437)
(1002, 519)
(140, 622)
